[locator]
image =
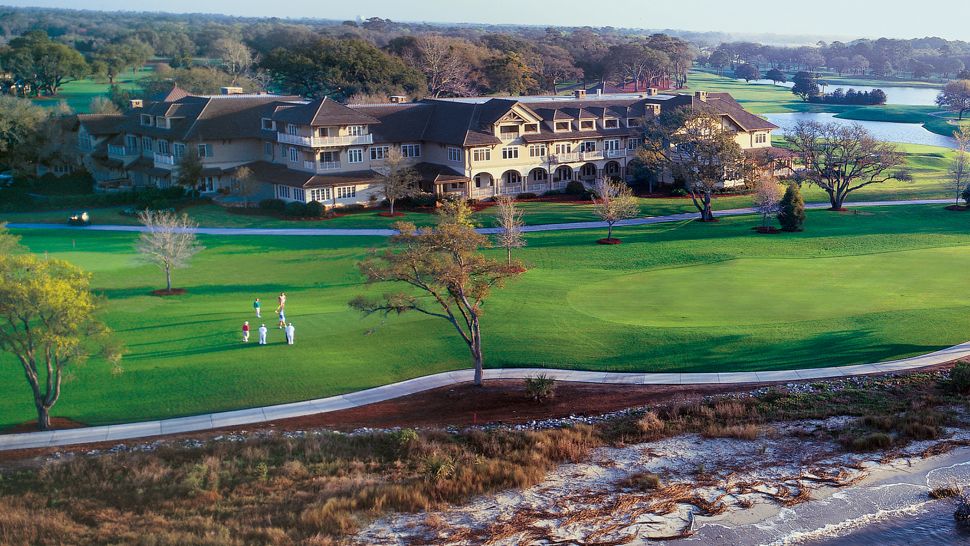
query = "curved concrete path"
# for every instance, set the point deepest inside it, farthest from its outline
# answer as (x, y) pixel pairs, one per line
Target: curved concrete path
(211, 421)
(541, 227)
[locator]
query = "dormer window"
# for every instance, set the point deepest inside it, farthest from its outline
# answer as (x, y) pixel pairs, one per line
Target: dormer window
(146, 120)
(356, 130)
(531, 128)
(562, 125)
(508, 132)
(586, 125)
(611, 124)
(267, 124)
(162, 122)
(632, 122)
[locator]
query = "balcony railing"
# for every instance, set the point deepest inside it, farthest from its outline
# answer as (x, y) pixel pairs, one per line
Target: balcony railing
(164, 160)
(320, 166)
(613, 154)
(565, 158)
(595, 154)
(316, 142)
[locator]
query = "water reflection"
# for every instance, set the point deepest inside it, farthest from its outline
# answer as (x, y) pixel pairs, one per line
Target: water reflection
(909, 133)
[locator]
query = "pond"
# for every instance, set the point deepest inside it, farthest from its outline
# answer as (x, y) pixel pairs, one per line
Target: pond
(918, 96)
(908, 133)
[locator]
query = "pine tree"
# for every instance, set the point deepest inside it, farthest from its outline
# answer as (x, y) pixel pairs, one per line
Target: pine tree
(791, 213)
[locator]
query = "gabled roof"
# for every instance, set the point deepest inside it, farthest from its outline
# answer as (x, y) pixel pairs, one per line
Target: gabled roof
(323, 113)
(173, 94)
(101, 124)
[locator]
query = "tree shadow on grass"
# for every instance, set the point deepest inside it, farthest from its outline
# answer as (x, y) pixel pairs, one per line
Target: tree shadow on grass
(245, 291)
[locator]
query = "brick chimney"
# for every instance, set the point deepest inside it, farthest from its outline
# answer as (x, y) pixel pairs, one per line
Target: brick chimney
(701, 96)
(398, 99)
(136, 103)
(231, 90)
(580, 94)
(652, 91)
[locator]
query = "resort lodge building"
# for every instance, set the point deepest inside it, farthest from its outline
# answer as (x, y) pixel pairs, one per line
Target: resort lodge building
(324, 151)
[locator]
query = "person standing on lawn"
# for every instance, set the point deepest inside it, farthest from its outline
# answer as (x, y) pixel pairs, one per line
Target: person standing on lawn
(281, 301)
(282, 323)
(290, 333)
(256, 308)
(246, 332)
(262, 334)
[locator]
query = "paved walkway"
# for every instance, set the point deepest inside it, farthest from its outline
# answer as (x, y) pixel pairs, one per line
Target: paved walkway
(412, 386)
(541, 227)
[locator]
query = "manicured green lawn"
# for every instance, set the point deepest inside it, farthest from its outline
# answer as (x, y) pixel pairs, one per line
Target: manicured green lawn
(856, 287)
(78, 94)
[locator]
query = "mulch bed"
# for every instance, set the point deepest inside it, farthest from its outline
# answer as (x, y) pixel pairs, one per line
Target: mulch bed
(770, 230)
(389, 215)
(57, 423)
(605, 241)
(957, 207)
(172, 292)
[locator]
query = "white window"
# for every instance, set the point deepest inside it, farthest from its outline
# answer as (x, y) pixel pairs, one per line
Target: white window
(268, 149)
(562, 125)
(355, 155)
(330, 157)
(632, 122)
(482, 154)
(320, 194)
(355, 130)
(588, 146)
(454, 154)
(760, 138)
(299, 194)
(162, 122)
(146, 144)
(586, 125)
(283, 192)
(611, 124)
(268, 124)
(632, 144)
(611, 145)
(294, 155)
(292, 129)
(531, 128)
(564, 148)
(378, 152)
(205, 150)
(411, 150)
(146, 120)
(537, 150)
(131, 142)
(510, 152)
(508, 132)
(178, 150)
(163, 147)
(323, 132)
(346, 192)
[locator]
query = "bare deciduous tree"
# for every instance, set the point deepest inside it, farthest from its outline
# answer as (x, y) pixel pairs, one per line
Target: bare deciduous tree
(441, 62)
(398, 180)
(237, 59)
(509, 220)
(960, 170)
(168, 241)
(767, 198)
(445, 265)
(248, 186)
(614, 201)
(841, 159)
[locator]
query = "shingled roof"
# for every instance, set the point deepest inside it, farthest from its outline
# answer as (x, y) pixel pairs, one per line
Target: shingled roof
(101, 124)
(323, 112)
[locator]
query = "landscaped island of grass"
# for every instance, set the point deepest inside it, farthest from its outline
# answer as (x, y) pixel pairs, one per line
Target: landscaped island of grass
(855, 287)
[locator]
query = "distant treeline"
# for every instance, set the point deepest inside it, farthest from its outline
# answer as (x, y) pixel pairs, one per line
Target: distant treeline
(841, 96)
(364, 60)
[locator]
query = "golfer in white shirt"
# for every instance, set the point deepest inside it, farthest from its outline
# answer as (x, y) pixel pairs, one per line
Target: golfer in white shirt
(290, 332)
(262, 334)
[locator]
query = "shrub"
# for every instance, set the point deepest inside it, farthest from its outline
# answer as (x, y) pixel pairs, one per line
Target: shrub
(420, 200)
(678, 192)
(315, 209)
(274, 205)
(650, 425)
(540, 388)
(791, 210)
(355, 207)
(642, 481)
(551, 193)
(960, 377)
(295, 209)
(575, 187)
(870, 442)
(965, 194)
(739, 432)
(526, 195)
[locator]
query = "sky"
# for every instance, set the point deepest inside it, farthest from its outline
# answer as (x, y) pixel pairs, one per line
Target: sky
(844, 18)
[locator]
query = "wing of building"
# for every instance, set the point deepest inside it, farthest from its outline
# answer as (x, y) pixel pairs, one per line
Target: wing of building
(324, 151)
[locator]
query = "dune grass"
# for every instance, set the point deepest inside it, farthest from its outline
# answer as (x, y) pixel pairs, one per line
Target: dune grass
(674, 297)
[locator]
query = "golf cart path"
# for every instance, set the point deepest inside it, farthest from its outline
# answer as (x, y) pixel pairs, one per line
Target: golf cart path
(541, 227)
(210, 421)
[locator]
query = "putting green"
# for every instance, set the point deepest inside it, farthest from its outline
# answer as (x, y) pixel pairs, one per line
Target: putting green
(769, 291)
